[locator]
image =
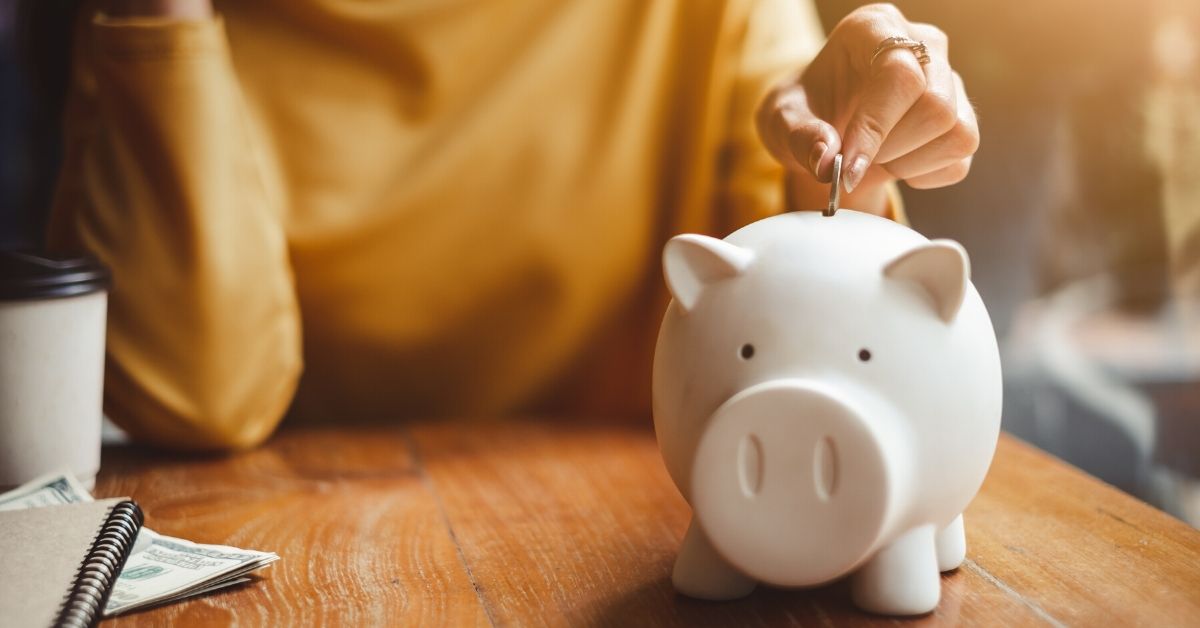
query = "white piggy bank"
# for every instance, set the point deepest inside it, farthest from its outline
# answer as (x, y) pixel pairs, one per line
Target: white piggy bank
(827, 398)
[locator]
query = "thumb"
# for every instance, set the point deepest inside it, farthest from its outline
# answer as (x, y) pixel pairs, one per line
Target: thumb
(794, 135)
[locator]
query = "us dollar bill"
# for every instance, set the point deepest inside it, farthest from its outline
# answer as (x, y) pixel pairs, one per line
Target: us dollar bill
(48, 490)
(164, 569)
(160, 569)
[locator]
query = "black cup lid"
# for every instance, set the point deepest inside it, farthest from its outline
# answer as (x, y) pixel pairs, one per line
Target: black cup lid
(29, 276)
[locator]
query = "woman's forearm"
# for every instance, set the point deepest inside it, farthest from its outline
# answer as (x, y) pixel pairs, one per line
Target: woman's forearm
(163, 183)
(167, 9)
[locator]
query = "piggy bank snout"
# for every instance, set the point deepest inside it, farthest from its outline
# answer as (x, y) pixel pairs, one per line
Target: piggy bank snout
(793, 484)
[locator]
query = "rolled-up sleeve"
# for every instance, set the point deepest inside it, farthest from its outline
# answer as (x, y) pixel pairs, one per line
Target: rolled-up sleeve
(163, 182)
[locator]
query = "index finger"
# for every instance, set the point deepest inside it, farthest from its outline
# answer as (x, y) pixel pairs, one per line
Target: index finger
(897, 81)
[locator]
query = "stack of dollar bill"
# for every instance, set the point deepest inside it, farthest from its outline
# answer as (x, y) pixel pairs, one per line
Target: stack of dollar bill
(160, 569)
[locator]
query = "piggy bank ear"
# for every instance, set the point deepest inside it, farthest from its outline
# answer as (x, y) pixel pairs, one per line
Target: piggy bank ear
(693, 262)
(941, 268)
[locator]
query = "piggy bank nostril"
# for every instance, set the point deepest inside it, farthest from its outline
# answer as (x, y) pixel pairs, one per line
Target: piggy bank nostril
(825, 468)
(750, 465)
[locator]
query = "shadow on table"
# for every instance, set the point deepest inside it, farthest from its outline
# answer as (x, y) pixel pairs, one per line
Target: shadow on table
(655, 603)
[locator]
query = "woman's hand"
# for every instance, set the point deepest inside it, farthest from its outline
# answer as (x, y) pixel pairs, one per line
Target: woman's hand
(893, 118)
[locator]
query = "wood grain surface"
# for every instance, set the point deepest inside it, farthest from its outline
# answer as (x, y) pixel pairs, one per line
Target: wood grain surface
(545, 523)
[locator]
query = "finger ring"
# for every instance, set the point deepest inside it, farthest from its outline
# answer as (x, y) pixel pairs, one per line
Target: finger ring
(918, 48)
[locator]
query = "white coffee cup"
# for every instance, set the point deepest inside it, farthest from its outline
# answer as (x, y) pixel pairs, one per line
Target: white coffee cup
(52, 321)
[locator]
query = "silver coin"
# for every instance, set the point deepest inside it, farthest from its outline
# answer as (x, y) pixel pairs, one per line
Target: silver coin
(835, 191)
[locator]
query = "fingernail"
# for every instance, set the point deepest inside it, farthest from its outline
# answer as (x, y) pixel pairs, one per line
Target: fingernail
(816, 155)
(855, 172)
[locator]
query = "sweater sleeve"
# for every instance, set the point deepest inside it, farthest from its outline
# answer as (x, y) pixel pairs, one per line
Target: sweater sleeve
(163, 182)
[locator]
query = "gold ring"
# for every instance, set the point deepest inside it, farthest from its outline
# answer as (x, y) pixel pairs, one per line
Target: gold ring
(918, 48)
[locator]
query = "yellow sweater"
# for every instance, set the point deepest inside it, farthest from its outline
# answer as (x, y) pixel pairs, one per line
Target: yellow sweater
(390, 209)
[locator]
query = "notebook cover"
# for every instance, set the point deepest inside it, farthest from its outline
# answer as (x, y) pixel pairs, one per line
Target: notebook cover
(42, 551)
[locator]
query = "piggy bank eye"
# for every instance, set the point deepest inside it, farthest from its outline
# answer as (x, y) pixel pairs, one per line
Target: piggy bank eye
(747, 351)
(864, 355)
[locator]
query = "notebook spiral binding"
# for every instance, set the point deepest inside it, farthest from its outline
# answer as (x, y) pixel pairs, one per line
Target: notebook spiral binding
(84, 604)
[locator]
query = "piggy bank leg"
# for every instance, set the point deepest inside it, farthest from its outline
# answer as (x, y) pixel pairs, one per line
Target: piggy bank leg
(951, 545)
(701, 573)
(903, 578)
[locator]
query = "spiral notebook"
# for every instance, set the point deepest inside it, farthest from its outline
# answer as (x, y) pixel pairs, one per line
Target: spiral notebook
(58, 564)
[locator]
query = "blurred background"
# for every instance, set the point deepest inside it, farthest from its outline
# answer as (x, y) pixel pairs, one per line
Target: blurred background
(1081, 213)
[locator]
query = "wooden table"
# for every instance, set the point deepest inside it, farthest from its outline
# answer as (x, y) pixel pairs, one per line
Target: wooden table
(541, 523)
